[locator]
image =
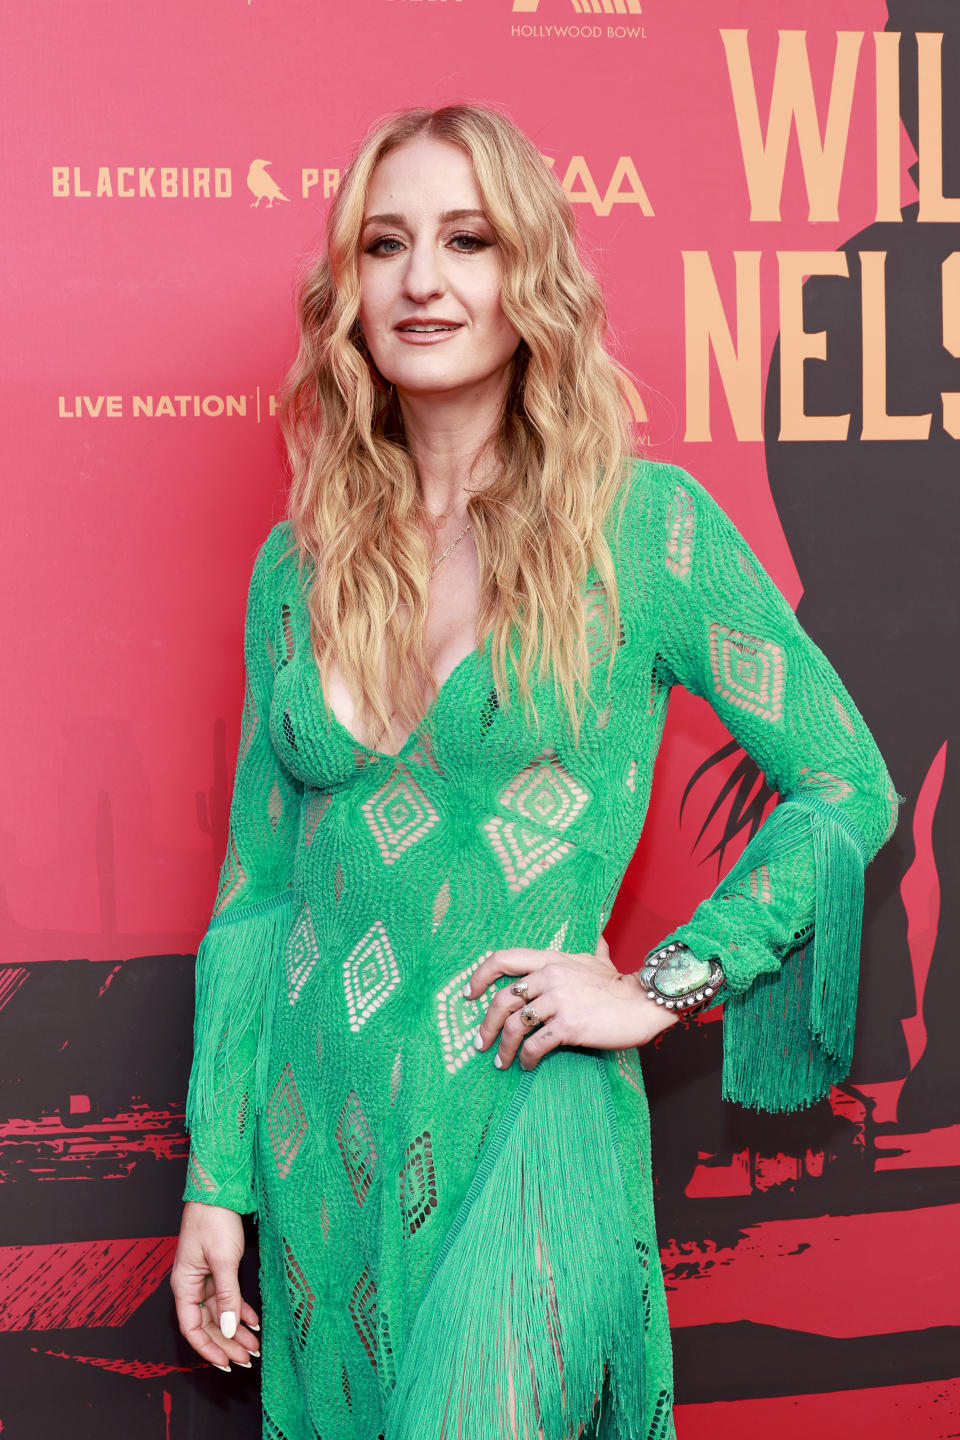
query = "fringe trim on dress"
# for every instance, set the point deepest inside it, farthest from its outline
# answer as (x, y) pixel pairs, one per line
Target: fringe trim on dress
(495, 1321)
(239, 959)
(789, 1036)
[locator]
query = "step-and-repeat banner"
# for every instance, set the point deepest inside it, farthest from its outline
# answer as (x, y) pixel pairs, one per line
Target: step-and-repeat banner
(770, 190)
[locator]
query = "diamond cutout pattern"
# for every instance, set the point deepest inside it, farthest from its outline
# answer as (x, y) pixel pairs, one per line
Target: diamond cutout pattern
(681, 523)
(830, 787)
(386, 1360)
(248, 724)
(287, 626)
(843, 717)
(274, 806)
(558, 937)
(748, 671)
(423, 753)
(524, 854)
(198, 1177)
(315, 806)
(286, 1121)
(545, 793)
(363, 1313)
(357, 1150)
(628, 1063)
(758, 885)
(301, 954)
(232, 877)
(597, 622)
(370, 974)
(398, 814)
(457, 1019)
(418, 1183)
(441, 902)
(302, 1298)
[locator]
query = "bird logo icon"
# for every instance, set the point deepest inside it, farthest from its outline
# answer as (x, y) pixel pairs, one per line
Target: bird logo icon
(263, 186)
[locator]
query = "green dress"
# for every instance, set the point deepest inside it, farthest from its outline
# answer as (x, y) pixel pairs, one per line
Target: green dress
(440, 1240)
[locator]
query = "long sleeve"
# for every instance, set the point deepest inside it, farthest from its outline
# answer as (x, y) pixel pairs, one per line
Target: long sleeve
(243, 943)
(785, 922)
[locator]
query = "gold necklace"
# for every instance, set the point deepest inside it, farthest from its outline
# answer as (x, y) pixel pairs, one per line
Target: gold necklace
(450, 547)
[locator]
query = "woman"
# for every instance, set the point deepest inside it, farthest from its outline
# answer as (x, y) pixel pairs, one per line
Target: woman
(414, 1059)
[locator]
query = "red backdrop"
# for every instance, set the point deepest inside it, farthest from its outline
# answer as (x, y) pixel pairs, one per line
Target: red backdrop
(167, 169)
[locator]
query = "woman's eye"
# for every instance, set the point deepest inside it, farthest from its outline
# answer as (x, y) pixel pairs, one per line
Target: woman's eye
(374, 249)
(474, 242)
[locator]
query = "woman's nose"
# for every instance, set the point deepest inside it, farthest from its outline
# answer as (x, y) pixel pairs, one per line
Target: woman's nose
(423, 273)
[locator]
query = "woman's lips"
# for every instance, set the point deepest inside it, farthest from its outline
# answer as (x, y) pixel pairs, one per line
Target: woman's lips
(427, 337)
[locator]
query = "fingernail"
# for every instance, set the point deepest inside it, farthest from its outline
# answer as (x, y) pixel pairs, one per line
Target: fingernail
(498, 1062)
(255, 1354)
(220, 1367)
(478, 1040)
(247, 1366)
(251, 1326)
(228, 1324)
(466, 989)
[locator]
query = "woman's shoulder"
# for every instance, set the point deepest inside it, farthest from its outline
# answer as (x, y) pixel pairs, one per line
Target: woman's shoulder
(656, 480)
(276, 555)
(667, 496)
(650, 491)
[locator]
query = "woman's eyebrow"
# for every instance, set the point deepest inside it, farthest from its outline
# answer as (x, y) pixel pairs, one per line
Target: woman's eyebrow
(394, 219)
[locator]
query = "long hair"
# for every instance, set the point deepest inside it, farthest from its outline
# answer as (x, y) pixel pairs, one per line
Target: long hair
(560, 448)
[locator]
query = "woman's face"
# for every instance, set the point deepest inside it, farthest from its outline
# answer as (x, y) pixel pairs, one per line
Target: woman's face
(419, 262)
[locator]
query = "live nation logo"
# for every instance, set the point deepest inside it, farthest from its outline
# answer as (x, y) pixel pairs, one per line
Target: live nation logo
(257, 405)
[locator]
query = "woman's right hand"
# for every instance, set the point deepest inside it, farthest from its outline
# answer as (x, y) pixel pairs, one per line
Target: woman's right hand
(206, 1286)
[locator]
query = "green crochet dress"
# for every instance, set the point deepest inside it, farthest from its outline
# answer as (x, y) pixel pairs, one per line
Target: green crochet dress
(441, 1240)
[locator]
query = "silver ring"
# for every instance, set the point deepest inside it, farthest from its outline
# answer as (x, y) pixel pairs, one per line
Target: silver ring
(519, 987)
(530, 1016)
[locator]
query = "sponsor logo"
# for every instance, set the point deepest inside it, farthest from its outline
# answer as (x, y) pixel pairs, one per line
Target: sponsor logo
(257, 406)
(601, 190)
(262, 185)
(586, 7)
(143, 182)
(578, 20)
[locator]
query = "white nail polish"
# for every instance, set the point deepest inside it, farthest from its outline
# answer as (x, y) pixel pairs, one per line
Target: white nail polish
(478, 1040)
(498, 1062)
(220, 1367)
(466, 990)
(228, 1324)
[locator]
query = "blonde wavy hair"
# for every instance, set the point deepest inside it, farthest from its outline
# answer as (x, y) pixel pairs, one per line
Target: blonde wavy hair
(560, 449)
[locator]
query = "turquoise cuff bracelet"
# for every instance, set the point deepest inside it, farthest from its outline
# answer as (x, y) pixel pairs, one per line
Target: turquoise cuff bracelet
(676, 979)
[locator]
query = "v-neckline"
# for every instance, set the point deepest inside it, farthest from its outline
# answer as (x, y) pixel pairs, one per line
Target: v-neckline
(416, 734)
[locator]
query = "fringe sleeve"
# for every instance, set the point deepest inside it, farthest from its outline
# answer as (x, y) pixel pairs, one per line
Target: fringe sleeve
(785, 922)
(243, 944)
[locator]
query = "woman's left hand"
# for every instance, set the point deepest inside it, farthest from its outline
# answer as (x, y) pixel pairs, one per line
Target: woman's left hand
(581, 1000)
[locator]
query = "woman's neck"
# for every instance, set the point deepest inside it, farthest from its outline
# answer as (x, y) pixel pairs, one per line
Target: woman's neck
(445, 433)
